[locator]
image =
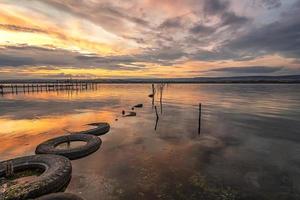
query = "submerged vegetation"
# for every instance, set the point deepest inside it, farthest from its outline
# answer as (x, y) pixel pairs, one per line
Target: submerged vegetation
(193, 188)
(19, 177)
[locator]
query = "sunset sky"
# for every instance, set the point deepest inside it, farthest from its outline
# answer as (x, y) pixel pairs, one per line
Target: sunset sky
(148, 38)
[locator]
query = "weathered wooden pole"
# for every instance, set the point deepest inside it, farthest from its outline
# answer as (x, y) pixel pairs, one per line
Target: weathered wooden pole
(153, 89)
(199, 122)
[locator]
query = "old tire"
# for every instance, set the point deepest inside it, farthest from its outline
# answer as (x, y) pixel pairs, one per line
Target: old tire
(93, 143)
(101, 129)
(60, 196)
(56, 175)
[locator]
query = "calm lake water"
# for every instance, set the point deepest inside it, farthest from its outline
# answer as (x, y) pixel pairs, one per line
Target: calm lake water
(249, 146)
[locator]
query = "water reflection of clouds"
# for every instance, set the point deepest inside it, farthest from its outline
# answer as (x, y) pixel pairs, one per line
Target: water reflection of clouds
(23, 109)
(239, 145)
(21, 136)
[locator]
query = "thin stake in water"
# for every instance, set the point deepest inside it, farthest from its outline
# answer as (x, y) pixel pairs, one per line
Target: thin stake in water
(199, 122)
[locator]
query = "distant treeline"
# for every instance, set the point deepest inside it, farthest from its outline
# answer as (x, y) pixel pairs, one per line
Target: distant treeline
(220, 80)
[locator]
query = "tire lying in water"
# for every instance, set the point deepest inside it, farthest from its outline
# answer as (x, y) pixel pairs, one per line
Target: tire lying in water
(93, 143)
(60, 196)
(55, 175)
(101, 129)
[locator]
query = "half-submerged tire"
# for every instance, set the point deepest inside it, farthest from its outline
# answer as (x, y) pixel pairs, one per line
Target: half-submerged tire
(60, 196)
(55, 176)
(93, 143)
(101, 129)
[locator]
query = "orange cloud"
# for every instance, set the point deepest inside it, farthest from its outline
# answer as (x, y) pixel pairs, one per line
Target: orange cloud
(17, 27)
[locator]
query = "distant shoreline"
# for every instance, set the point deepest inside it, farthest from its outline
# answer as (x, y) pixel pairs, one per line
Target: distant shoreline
(162, 82)
(291, 79)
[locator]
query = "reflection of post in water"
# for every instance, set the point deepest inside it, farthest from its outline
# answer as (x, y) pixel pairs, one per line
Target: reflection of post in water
(199, 121)
(156, 123)
(161, 89)
(152, 95)
(157, 118)
(1, 90)
(68, 144)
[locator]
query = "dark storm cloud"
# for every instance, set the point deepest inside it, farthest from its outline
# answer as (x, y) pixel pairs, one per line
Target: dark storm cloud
(14, 61)
(215, 6)
(18, 56)
(230, 18)
(281, 37)
(116, 13)
(202, 32)
(227, 19)
(222, 9)
(163, 56)
(15, 56)
(249, 69)
(199, 28)
(171, 23)
(204, 55)
(278, 37)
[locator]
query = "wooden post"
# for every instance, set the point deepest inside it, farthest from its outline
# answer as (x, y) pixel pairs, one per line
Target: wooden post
(161, 94)
(153, 89)
(199, 122)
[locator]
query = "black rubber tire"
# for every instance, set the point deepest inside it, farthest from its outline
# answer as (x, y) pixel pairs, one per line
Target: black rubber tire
(56, 175)
(101, 129)
(60, 196)
(93, 143)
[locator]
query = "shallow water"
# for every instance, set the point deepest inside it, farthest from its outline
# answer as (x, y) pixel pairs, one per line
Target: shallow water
(249, 142)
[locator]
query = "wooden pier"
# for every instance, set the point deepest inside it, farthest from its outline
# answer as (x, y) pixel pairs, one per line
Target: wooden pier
(15, 88)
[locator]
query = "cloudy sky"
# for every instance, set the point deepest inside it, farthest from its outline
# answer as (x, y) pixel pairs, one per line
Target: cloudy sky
(148, 38)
